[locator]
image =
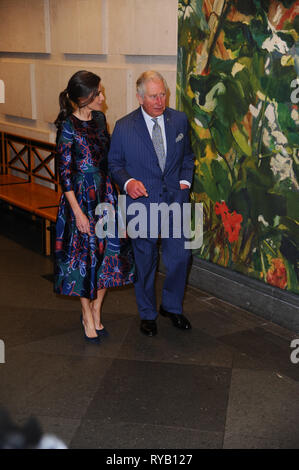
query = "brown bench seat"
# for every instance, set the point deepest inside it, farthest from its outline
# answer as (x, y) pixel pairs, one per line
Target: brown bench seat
(35, 162)
(29, 196)
(11, 179)
(48, 213)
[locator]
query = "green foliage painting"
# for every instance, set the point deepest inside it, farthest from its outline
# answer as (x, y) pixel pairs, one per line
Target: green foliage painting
(237, 81)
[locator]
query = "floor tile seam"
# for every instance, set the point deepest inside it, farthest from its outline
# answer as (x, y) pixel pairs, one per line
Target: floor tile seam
(250, 328)
(234, 350)
(183, 364)
(226, 302)
(254, 435)
(41, 388)
(269, 372)
(68, 355)
(249, 312)
(15, 274)
(238, 318)
(125, 316)
(261, 368)
(235, 353)
(230, 349)
(288, 335)
(92, 398)
(55, 415)
(281, 335)
(199, 296)
(91, 395)
(114, 422)
(273, 343)
(45, 338)
(24, 416)
(235, 309)
(191, 286)
(227, 406)
(239, 330)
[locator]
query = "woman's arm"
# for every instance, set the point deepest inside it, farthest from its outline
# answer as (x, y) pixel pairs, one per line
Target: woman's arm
(64, 149)
(82, 222)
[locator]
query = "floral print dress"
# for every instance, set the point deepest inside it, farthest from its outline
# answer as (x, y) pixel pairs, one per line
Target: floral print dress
(83, 263)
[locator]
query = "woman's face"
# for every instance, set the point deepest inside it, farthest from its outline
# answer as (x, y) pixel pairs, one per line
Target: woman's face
(96, 103)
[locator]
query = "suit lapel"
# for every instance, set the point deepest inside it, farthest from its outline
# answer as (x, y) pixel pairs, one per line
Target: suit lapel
(170, 132)
(142, 130)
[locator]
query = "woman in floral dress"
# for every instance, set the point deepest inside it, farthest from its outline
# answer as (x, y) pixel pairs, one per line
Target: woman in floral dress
(85, 265)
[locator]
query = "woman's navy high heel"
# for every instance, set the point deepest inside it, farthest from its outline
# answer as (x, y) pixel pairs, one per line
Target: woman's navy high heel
(103, 332)
(95, 340)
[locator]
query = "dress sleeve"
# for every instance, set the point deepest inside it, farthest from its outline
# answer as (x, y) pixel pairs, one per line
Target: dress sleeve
(64, 150)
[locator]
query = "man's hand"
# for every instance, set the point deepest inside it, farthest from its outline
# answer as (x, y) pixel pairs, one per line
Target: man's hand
(136, 189)
(184, 186)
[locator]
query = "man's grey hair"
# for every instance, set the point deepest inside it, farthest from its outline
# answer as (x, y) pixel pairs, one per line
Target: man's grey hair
(146, 77)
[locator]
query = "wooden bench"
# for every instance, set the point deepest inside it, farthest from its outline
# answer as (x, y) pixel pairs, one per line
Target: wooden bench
(29, 179)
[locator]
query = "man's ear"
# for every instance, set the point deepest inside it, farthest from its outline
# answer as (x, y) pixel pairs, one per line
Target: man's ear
(139, 98)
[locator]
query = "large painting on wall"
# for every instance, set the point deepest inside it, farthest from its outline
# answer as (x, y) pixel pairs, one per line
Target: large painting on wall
(237, 81)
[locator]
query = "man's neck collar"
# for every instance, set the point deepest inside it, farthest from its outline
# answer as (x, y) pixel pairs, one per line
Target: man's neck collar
(145, 114)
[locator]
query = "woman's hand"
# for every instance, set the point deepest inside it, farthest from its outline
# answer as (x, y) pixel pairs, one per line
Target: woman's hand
(82, 223)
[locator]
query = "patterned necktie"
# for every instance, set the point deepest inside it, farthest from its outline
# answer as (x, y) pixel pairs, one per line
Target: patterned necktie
(158, 143)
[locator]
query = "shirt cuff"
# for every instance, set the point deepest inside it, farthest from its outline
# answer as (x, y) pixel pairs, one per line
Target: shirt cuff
(186, 183)
(126, 183)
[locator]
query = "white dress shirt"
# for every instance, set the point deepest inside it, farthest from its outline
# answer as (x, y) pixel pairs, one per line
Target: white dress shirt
(150, 124)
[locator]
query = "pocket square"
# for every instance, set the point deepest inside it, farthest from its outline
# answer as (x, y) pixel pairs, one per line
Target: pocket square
(179, 137)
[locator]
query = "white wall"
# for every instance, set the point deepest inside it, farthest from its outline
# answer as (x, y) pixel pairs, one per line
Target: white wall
(43, 42)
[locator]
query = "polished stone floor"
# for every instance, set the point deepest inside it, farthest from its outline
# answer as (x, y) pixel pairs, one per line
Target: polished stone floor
(228, 383)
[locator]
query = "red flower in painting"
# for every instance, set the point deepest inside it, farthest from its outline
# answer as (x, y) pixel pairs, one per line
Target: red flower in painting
(206, 71)
(289, 15)
(221, 209)
(231, 221)
(277, 274)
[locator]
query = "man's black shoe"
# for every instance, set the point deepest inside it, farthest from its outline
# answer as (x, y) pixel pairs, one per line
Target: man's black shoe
(179, 321)
(148, 327)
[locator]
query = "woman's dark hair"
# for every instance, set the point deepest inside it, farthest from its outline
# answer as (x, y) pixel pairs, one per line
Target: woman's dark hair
(81, 90)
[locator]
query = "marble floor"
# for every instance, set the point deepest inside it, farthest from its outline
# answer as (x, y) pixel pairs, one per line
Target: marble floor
(228, 383)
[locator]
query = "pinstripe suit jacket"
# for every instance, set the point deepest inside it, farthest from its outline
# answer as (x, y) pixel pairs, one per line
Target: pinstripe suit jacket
(132, 155)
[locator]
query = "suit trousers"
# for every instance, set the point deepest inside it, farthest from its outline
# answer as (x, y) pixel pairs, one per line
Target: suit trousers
(176, 259)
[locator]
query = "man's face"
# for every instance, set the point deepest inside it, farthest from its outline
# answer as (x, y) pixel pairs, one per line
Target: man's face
(154, 101)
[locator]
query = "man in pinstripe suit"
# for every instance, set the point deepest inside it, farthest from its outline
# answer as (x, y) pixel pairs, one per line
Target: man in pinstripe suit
(152, 162)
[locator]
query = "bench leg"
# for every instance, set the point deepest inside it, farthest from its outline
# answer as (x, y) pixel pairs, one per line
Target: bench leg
(47, 237)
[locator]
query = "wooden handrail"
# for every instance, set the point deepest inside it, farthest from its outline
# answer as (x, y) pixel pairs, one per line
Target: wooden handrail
(30, 157)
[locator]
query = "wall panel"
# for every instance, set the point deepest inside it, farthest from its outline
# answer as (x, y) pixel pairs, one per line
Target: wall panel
(118, 39)
(24, 26)
(78, 26)
(19, 79)
(143, 27)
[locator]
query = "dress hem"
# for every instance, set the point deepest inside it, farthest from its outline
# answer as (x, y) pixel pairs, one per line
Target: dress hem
(106, 285)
